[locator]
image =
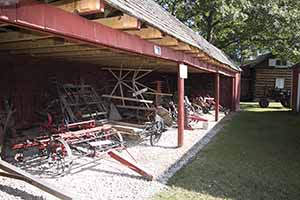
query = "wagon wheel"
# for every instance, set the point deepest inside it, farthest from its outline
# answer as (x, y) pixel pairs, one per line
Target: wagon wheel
(263, 103)
(60, 156)
(156, 133)
(285, 103)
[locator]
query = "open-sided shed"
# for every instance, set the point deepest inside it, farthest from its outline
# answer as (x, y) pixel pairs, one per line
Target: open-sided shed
(75, 40)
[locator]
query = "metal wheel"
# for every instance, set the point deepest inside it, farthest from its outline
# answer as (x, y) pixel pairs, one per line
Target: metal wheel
(285, 103)
(60, 157)
(156, 133)
(263, 103)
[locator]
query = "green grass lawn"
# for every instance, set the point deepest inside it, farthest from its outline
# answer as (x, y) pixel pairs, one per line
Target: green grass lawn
(256, 156)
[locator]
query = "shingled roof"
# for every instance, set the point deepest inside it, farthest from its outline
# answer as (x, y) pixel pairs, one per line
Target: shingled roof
(152, 13)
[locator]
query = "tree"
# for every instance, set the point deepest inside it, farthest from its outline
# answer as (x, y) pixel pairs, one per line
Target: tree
(243, 28)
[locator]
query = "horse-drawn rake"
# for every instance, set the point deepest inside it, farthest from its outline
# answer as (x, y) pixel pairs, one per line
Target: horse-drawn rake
(57, 152)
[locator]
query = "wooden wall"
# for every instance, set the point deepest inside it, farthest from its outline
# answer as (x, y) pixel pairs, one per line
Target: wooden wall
(266, 78)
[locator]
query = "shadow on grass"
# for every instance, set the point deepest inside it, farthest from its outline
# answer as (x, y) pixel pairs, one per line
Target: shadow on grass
(256, 156)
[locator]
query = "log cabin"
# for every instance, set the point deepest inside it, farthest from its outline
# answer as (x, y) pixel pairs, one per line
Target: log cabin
(264, 73)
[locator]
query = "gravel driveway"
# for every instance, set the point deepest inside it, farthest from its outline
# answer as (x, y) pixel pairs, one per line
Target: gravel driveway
(107, 179)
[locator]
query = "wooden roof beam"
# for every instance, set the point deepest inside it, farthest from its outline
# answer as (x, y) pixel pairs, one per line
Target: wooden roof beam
(11, 37)
(42, 44)
(3, 25)
(70, 53)
(147, 33)
(81, 7)
(124, 22)
(199, 55)
(182, 47)
(193, 50)
(166, 41)
(53, 49)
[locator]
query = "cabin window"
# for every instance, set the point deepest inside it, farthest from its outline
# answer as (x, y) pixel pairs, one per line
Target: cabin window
(279, 83)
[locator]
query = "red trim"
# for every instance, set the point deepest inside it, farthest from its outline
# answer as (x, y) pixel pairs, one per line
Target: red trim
(49, 19)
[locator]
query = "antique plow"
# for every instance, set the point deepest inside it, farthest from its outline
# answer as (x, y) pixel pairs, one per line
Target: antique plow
(81, 139)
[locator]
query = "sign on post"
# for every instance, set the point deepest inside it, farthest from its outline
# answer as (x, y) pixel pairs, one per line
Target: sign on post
(183, 71)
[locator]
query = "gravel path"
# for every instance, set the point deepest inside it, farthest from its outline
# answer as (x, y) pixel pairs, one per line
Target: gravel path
(107, 179)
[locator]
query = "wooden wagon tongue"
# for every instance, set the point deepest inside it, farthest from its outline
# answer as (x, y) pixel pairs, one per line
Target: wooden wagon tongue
(16, 173)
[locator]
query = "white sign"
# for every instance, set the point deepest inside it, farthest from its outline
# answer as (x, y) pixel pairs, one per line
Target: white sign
(157, 50)
(183, 71)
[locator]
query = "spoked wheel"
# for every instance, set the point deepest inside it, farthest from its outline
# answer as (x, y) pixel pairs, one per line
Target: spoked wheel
(60, 157)
(285, 103)
(263, 103)
(156, 133)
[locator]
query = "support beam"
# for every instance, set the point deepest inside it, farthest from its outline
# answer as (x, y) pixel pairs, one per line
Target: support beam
(233, 95)
(54, 49)
(217, 95)
(31, 44)
(3, 25)
(124, 22)
(180, 118)
(147, 33)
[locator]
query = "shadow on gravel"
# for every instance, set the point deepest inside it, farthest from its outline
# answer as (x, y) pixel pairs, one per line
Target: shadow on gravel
(19, 193)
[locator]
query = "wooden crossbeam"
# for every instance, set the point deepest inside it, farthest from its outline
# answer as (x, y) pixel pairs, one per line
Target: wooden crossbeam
(54, 50)
(166, 41)
(29, 45)
(127, 99)
(26, 39)
(147, 33)
(4, 25)
(124, 22)
(62, 52)
(14, 172)
(81, 6)
(182, 47)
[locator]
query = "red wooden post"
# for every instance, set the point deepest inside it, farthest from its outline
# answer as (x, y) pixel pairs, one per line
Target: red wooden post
(217, 96)
(233, 96)
(180, 119)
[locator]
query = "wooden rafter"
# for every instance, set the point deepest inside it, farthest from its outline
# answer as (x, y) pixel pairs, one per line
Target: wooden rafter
(81, 6)
(166, 41)
(147, 33)
(124, 22)
(28, 45)
(182, 47)
(3, 25)
(193, 50)
(55, 50)
(14, 37)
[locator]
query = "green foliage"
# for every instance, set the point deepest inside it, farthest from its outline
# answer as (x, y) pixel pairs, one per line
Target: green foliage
(243, 28)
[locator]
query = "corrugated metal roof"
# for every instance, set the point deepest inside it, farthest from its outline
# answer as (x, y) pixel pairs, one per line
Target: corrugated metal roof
(152, 13)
